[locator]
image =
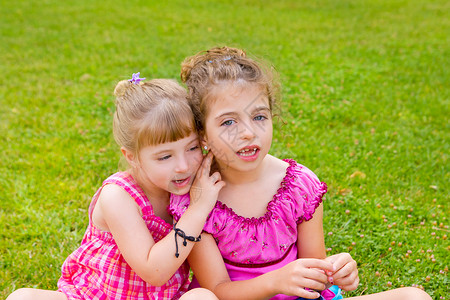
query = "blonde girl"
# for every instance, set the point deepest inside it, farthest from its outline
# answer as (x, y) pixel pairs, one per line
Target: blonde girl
(264, 237)
(131, 248)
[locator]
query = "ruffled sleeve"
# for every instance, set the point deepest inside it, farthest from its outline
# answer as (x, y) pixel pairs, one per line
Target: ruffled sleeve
(307, 190)
(218, 219)
(178, 205)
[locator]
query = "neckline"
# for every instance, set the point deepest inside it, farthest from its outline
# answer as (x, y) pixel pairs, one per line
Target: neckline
(270, 204)
(146, 203)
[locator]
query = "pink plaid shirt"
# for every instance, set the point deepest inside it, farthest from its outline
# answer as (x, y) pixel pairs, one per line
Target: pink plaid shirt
(97, 269)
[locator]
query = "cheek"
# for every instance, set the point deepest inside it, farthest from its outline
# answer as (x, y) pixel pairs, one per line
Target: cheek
(217, 136)
(157, 171)
(266, 130)
(270, 131)
(196, 159)
(210, 130)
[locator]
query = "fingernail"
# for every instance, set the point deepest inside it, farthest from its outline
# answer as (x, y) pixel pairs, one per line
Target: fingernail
(330, 279)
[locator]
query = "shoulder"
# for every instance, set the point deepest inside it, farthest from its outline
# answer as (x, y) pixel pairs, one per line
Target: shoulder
(113, 201)
(114, 196)
(274, 163)
(275, 168)
(116, 186)
(297, 172)
(292, 174)
(113, 191)
(126, 181)
(120, 187)
(122, 179)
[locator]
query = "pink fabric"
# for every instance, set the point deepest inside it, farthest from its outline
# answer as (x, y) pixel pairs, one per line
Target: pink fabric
(253, 246)
(97, 269)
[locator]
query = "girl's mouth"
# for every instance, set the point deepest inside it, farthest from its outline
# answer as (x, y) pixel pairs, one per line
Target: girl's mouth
(181, 182)
(249, 153)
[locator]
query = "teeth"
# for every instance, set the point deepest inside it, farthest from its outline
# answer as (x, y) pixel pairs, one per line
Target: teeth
(248, 152)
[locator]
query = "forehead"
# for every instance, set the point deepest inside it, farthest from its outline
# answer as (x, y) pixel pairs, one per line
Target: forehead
(171, 146)
(241, 96)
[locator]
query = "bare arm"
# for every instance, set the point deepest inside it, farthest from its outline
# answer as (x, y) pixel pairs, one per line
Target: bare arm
(310, 241)
(345, 272)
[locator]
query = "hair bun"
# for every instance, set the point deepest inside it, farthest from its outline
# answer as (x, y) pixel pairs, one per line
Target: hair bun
(213, 54)
(121, 88)
(226, 51)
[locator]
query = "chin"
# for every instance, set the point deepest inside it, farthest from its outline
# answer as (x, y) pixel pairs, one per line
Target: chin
(182, 191)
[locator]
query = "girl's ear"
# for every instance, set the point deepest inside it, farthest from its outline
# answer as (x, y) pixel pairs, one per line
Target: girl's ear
(129, 156)
(204, 146)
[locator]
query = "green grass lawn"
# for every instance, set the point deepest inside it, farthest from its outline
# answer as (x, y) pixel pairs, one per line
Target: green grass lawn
(365, 99)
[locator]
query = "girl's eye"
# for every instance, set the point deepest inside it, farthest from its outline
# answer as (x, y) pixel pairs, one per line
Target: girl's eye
(227, 123)
(194, 148)
(164, 157)
(260, 118)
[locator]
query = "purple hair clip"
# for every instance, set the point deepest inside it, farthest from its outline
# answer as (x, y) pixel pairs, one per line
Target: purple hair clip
(135, 78)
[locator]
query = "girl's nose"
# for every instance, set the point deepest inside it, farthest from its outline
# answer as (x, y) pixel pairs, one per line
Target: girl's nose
(247, 132)
(182, 164)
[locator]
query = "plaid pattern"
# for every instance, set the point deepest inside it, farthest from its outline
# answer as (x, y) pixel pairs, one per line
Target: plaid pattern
(97, 269)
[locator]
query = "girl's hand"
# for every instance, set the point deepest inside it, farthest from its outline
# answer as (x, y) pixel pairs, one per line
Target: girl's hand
(346, 273)
(293, 278)
(205, 188)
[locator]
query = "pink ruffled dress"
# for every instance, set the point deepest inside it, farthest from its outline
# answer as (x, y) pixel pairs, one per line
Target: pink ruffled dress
(97, 269)
(254, 246)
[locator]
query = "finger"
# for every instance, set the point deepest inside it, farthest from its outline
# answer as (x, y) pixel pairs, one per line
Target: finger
(216, 177)
(322, 271)
(349, 285)
(317, 263)
(331, 258)
(346, 278)
(345, 270)
(353, 286)
(313, 284)
(205, 166)
(301, 292)
(220, 185)
(315, 274)
(207, 163)
(341, 260)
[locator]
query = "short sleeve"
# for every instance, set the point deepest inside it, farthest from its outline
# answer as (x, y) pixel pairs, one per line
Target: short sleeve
(307, 191)
(178, 205)
(218, 219)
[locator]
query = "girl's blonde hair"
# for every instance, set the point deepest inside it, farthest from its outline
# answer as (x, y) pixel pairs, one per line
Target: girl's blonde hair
(151, 113)
(206, 69)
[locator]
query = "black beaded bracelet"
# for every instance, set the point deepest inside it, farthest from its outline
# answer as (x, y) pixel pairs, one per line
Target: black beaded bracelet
(185, 238)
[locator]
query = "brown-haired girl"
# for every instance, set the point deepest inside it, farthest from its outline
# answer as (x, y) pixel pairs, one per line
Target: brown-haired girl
(131, 249)
(264, 237)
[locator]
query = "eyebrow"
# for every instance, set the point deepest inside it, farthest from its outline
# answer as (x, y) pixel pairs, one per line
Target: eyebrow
(164, 151)
(261, 108)
(231, 113)
(226, 114)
